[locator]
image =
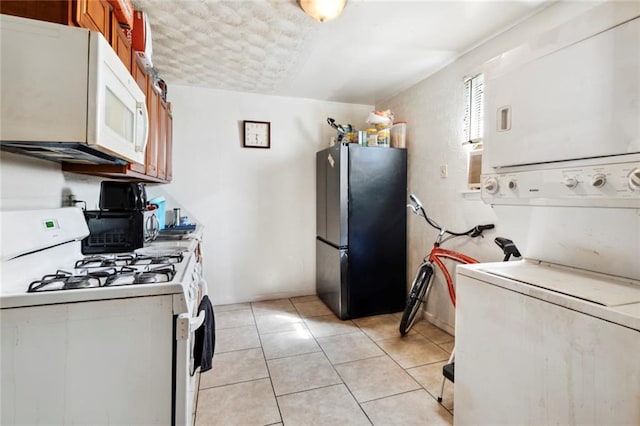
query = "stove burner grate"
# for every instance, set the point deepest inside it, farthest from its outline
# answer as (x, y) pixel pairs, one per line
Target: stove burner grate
(144, 259)
(63, 280)
(105, 277)
(105, 261)
(128, 275)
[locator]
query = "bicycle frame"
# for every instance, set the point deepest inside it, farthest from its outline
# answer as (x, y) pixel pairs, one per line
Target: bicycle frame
(436, 256)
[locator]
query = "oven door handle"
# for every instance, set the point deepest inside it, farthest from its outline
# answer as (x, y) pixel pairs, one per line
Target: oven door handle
(187, 324)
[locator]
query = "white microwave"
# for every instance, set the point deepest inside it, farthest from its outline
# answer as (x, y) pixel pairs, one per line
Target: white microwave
(66, 96)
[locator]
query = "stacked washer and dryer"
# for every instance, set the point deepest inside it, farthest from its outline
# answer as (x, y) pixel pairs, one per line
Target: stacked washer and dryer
(555, 338)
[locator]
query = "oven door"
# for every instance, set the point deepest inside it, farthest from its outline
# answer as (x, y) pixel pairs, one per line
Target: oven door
(187, 323)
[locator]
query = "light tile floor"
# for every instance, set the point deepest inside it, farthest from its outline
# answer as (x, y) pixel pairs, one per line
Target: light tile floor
(292, 362)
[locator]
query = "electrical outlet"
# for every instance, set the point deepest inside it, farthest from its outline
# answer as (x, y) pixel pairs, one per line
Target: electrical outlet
(444, 171)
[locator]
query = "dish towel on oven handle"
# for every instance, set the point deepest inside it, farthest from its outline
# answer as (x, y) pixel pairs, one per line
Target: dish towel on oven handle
(205, 337)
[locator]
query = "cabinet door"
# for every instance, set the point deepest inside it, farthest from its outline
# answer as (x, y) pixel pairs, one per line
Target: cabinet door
(57, 11)
(121, 44)
(94, 15)
(152, 144)
(162, 138)
(169, 152)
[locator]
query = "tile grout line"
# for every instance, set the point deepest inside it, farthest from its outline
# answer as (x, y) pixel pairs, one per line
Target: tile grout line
(267, 365)
(358, 328)
(401, 367)
(334, 368)
(337, 372)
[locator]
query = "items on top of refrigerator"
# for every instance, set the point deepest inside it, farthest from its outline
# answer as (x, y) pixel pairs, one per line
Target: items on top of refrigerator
(380, 117)
(382, 132)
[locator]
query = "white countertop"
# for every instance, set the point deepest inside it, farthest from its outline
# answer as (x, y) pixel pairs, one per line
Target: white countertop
(189, 242)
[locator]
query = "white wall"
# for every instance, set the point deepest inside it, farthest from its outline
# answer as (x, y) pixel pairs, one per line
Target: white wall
(31, 183)
(434, 110)
(257, 205)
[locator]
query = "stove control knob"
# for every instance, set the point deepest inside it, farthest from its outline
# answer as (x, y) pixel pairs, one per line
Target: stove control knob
(570, 182)
(634, 180)
(491, 185)
(513, 184)
(599, 180)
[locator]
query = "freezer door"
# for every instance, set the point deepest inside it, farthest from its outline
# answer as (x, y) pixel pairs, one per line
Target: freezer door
(331, 277)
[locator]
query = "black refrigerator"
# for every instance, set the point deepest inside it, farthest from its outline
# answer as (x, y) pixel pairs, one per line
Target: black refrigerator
(361, 223)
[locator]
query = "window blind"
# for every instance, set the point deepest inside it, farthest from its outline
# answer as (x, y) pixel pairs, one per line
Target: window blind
(474, 109)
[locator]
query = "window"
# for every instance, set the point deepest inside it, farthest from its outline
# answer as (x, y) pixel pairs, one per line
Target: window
(474, 127)
(474, 109)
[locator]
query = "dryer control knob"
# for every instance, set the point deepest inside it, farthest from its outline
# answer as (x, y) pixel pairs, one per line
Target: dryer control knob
(513, 184)
(570, 182)
(634, 180)
(491, 185)
(599, 180)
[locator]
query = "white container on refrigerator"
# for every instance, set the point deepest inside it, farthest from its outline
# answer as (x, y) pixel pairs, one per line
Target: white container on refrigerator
(63, 85)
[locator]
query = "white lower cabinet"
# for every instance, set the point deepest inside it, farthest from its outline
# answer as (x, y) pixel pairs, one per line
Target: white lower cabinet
(101, 362)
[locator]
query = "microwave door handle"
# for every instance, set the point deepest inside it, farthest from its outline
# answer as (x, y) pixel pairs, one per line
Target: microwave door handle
(142, 144)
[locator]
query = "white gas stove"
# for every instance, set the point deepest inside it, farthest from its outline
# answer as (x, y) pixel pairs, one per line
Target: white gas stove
(33, 275)
(119, 327)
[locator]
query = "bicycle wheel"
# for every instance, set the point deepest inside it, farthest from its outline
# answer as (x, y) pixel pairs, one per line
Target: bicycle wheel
(418, 291)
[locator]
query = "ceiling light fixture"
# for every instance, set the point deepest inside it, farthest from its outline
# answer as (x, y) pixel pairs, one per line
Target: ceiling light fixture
(322, 10)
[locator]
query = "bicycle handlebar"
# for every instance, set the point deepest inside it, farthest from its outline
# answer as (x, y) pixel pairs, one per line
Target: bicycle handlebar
(417, 208)
(477, 231)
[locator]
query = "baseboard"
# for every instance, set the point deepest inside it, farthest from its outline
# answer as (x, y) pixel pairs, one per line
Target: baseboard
(439, 323)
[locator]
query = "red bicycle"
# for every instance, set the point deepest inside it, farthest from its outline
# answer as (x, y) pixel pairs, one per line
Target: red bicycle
(422, 282)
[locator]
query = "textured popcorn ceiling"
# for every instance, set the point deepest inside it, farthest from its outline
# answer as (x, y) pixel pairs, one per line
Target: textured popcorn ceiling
(375, 49)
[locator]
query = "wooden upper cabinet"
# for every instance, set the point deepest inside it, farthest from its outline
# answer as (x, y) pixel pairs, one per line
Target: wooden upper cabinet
(121, 44)
(94, 15)
(50, 11)
(169, 149)
(152, 144)
(162, 138)
(91, 14)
